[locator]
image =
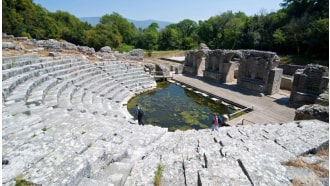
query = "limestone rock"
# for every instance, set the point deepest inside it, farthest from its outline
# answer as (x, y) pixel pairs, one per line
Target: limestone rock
(314, 111)
(50, 44)
(136, 54)
(203, 46)
(323, 99)
(106, 49)
(69, 46)
(149, 67)
(53, 54)
(162, 70)
(9, 45)
(86, 50)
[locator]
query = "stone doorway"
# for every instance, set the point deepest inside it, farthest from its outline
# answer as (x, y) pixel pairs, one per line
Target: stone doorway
(230, 68)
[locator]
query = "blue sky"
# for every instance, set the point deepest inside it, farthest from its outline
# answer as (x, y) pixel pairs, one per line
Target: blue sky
(164, 10)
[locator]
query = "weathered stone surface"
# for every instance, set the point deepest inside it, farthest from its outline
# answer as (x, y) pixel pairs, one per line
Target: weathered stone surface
(86, 50)
(73, 128)
(4, 35)
(314, 111)
(303, 176)
(323, 99)
(257, 70)
(162, 70)
(9, 45)
(69, 46)
(106, 49)
(242, 155)
(149, 67)
(203, 46)
(309, 83)
(135, 54)
(50, 44)
(54, 54)
(21, 38)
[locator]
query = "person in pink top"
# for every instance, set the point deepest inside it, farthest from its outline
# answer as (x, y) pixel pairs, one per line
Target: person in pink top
(215, 122)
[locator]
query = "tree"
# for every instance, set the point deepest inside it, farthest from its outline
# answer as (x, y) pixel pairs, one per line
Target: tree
(314, 8)
(126, 29)
(169, 39)
(149, 37)
(187, 30)
(103, 35)
(72, 29)
(317, 34)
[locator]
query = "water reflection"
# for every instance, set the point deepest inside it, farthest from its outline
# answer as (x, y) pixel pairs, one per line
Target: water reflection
(174, 107)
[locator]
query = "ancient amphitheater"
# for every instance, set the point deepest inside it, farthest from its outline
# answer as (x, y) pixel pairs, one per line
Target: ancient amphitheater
(64, 122)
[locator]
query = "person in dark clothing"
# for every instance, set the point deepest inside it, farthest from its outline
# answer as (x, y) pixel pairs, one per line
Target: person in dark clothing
(139, 113)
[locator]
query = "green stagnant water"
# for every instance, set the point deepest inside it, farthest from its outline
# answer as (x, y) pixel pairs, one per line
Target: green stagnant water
(175, 107)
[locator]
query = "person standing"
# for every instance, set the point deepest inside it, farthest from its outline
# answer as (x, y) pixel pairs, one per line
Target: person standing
(139, 113)
(215, 122)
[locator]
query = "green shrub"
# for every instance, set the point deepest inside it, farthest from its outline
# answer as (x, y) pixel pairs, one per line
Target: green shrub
(125, 48)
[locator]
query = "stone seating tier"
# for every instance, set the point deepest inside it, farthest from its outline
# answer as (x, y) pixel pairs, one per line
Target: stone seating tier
(68, 125)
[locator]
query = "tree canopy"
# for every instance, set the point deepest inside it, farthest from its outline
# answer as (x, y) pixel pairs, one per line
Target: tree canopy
(301, 27)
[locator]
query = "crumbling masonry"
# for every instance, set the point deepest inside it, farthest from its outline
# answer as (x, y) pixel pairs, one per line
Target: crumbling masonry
(254, 70)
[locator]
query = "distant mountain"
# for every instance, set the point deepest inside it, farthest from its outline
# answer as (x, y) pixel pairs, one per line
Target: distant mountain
(139, 24)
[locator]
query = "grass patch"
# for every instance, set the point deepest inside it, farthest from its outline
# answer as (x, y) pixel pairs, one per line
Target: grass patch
(318, 170)
(125, 48)
(324, 152)
(159, 54)
(44, 129)
(158, 175)
(34, 135)
(21, 182)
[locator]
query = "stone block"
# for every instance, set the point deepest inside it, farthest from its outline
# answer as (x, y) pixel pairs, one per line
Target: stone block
(286, 82)
(274, 81)
(9, 45)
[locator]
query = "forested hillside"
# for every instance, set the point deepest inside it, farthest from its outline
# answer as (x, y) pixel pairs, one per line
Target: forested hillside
(301, 27)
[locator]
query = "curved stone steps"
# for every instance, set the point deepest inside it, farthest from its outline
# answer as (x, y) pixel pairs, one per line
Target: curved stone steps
(65, 99)
(38, 64)
(83, 87)
(24, 57)
(70, 76)
(15, 63)
(29, 77)
(71, 144)
(92, 100)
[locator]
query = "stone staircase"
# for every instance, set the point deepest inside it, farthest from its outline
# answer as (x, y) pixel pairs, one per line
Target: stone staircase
(64, 122)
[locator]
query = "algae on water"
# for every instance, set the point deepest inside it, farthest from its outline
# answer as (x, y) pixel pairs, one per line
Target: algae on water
(176, 108)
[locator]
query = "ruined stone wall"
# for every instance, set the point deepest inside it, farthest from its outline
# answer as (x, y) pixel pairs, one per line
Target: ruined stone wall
(256, 70)
(309, 83)
(219, 65)
(189, 63)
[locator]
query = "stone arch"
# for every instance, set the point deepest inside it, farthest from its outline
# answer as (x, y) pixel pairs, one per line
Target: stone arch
(230, 66)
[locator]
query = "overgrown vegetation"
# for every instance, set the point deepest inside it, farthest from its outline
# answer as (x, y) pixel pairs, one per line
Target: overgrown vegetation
(158, 175)
(300, 28)
(21, 182)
